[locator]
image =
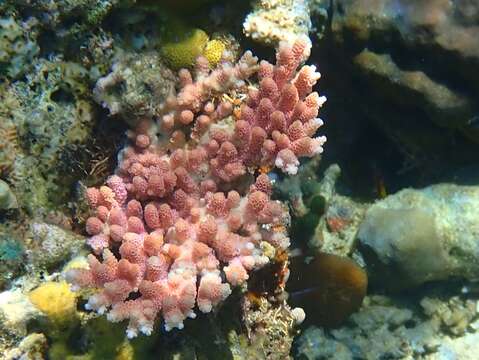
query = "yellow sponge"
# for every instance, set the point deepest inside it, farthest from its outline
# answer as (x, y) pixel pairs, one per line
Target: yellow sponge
(213, 51)
(183, 53)
(125, 352)
(56, 300)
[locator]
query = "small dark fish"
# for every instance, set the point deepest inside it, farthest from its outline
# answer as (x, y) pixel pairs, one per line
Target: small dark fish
(379, 184)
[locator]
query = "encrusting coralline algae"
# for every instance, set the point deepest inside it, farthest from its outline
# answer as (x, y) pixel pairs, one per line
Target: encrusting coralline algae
(186, 214)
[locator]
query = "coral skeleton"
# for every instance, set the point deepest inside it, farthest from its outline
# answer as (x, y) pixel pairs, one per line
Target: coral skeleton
(272, 21)
(188, 214)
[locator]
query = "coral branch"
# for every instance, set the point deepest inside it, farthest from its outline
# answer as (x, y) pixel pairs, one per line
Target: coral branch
(184, 212)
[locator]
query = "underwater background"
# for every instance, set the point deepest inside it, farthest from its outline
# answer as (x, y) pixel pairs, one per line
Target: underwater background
(264, 179)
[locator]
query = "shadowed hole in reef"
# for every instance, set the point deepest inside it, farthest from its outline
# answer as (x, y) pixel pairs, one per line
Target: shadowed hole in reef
(373, 161)
(409, 324)
(410, 54)
(62, 95)
(355, 117)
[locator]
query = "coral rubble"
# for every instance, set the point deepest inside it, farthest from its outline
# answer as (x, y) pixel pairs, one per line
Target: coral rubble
(32, 346)
(270, 327)
(398, 330)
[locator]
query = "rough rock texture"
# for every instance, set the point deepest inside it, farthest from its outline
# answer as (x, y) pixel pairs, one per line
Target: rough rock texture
(16, 311)
(8, 133)
(47, 119)
(69, 18)
(417, 61)
(324, 219)
(32, 347)
(336, 230)
(442, 105)
(438, 329)
(271, 328)
(416, 236)
(46, 126)
(426, 29)
(50, 245)
(137, 87)
(17, 46)
(35, 247)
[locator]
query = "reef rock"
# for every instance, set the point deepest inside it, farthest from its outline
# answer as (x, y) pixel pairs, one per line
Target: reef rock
(17, 46)
(47, 120)
(32, 347)
(385, 329)
(324, 219)
(7, 197)
(51, 245)
(15, 312)
(416, 236)
(428, 108)
(136, 87)
(424, 29)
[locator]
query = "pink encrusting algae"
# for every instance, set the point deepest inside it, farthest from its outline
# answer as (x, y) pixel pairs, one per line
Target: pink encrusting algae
(186, 217)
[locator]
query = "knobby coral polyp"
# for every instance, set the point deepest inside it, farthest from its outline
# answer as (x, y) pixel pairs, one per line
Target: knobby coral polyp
(184, 219)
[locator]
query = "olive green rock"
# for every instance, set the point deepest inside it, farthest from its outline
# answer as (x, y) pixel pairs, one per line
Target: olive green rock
(7, 197)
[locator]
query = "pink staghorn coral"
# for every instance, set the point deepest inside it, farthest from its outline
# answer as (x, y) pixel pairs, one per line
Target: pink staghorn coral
(184, 219)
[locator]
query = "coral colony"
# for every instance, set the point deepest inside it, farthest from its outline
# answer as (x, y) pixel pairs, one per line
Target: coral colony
(188, 214)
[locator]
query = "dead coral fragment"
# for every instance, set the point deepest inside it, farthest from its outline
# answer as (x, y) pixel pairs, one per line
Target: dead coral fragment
(272, 21)
(270, 327)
